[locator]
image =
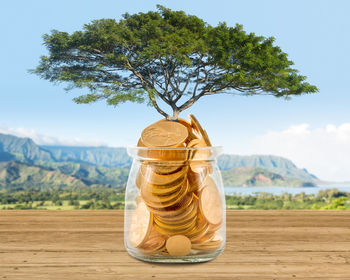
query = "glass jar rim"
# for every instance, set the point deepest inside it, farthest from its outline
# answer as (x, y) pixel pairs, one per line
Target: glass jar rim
(155, 153)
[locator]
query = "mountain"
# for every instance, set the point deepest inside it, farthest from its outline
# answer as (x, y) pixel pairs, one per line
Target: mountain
(109, 166)
(100, 156)
(23, 175)
(93, 175)
(22, 148)
(26, 150)
(257, 176)
(275, 164)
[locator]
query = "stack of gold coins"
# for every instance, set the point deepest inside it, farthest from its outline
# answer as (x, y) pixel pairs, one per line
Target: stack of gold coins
(179, 209)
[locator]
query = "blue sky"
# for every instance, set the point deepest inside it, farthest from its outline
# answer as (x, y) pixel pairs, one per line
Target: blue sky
(312, 130)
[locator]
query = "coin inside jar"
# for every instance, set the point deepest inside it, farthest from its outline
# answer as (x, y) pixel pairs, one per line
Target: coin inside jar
(159, 179)
(210, 203)
(178, 245)
(154, 243)
(176, 187)
(141, 224)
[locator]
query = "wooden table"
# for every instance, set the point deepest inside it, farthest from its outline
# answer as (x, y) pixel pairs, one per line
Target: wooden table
(260, 245)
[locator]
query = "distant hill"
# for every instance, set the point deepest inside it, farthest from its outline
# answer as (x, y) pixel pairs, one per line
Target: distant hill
(108, 166)
(99, 156)
(279, 165)
(22, 148)
(257, 176)
(24, 175)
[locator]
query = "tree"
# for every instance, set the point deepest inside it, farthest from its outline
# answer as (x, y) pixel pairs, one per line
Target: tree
(167, 56)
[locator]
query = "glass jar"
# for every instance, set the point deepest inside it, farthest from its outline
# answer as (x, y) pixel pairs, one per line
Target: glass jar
(174, 205)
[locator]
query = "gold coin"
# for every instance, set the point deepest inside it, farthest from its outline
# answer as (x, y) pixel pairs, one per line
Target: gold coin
(206, 138)
(176, 227)
(206, 238)
(198, 233)
(162, 190)
(139, 199)
(163, 154)
(156, 203)
(178, 245)
(174, 210)
(214, 228)
(139, 180)
(194, 143)
(154, 243)
(198, 128)
(175, 154)
(209, 182)
(171, 232)
(140, 226)
(158, 179)
(190, 213)
(149, 196)
(142, 153)
(140, 143)
(200, 152)
(191, 135)
(164, 134)
(164, 167)
(213, 244)
(201, 165)
(185, 123)
(209, 246)
(151, 251)
(200, 230)
(210, 203)
(197, 176)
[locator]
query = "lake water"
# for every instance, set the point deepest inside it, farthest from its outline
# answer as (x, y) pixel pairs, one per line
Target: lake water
(280, 190)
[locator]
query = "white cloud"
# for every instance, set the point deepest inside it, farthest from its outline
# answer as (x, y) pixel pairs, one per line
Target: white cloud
(41, 139)
(323, 151)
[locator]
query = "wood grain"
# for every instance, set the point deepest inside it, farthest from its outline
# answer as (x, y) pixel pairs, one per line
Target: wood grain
(260, 245)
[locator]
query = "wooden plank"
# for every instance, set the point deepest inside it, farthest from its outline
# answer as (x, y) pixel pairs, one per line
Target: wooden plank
(260, 245)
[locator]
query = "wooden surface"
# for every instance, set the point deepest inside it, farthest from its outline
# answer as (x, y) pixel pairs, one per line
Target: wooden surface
(260, 245)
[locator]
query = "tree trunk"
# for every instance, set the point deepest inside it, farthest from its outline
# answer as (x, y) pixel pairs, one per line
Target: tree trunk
(175, 115)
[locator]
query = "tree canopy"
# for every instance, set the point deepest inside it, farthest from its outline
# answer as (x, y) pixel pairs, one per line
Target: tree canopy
(167, 56)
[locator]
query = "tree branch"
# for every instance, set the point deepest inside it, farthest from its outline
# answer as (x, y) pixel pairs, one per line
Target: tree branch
(154, 102)
(148, 84)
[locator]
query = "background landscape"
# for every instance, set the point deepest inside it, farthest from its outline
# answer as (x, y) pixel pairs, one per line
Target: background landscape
(70, 177)
(55, 154)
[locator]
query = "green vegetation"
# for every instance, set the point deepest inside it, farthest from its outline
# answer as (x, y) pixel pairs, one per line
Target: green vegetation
(22, 176)
(36, 177)
(107, 198)
(325, 199)
(60, 199)
(167, 56)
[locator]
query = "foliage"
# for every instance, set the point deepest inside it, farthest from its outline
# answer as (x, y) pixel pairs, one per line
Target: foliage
(325, 199)
(338, 203)
(105, 198)
(167, 55)
(79, 198)
(65, 175)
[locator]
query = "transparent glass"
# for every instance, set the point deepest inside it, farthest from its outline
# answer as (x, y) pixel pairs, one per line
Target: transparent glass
(174, 205)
